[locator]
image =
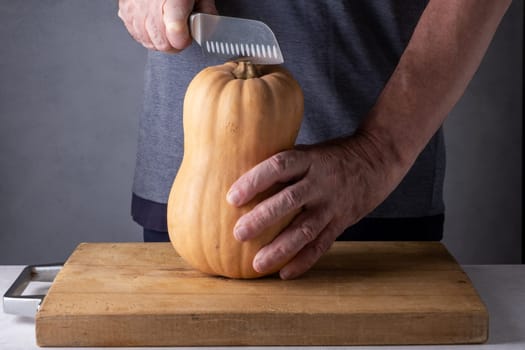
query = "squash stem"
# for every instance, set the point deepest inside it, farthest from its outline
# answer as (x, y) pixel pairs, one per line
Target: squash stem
(246, 70)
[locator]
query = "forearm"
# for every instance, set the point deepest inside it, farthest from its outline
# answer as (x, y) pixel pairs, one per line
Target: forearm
(443, 54)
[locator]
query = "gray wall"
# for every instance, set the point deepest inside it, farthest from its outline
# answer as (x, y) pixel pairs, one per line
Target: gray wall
(483, 136)
(70, 94)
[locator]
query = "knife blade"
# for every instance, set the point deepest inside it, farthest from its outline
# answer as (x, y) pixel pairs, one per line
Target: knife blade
(234, 38)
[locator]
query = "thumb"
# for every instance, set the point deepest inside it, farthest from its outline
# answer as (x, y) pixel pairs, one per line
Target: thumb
(175, 16)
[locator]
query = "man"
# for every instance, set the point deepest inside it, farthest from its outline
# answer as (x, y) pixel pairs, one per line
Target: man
(379, 79)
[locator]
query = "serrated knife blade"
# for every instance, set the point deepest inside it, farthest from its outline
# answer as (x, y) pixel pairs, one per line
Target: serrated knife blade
(234, 38)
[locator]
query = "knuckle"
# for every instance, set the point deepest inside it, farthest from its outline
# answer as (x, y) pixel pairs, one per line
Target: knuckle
(259, 217)
(292, 197)
(150, 23)
(138, 31)
(281, 252)
(248, 184)
(283, 161)
(148, 45)
(307, 232)
(163, 46)
(160, 42)
(124, 8)
(266, 213)
(278, 162)
(153, 30)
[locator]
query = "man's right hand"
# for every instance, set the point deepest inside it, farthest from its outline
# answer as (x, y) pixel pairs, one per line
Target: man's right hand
(162, 24)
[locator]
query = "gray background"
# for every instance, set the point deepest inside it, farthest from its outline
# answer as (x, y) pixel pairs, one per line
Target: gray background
(70, 96)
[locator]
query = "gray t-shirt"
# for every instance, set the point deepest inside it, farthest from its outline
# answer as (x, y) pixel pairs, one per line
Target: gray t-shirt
(341, 52)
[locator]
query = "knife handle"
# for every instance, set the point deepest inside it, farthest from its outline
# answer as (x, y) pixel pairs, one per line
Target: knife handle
(27, 305)
(195, 27)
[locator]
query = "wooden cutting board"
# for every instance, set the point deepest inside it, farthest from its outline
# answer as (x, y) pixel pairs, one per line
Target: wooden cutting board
(144, 294)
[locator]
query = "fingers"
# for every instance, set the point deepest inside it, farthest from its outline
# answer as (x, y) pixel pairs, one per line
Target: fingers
(133, 19)
(175, 18)
(304, 229)
(309, 255)
(271, 210)
(155, 27)
(140, 32)
(281, 167)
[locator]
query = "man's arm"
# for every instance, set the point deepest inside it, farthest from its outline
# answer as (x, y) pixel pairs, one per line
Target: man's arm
(339, 182)
(443, 54)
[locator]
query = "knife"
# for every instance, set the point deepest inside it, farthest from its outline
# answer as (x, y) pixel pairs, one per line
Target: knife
(234, 38)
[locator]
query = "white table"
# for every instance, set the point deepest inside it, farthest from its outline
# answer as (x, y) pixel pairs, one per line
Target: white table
(502, 288)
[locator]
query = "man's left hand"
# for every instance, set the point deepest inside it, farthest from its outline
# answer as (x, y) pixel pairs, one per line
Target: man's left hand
(334, 185)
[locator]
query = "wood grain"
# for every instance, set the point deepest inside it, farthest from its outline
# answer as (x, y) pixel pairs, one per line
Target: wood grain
(144, 294)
